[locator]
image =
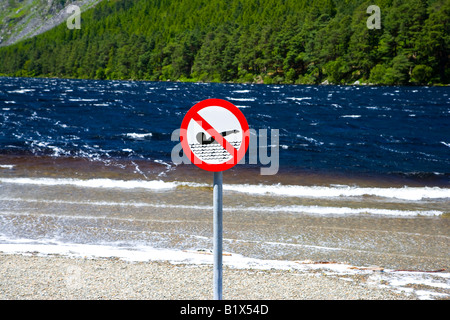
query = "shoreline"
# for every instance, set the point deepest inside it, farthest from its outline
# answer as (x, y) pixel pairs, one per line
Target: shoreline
(29, 165)
(324, 82)
(55, 277)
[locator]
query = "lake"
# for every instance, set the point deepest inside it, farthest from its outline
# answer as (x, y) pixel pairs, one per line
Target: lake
(362, 177)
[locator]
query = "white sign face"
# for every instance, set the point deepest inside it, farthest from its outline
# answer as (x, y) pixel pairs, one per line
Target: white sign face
(203, 145)
(214, 135)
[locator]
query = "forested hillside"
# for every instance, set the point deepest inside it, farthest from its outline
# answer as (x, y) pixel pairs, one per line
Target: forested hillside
(270, 41)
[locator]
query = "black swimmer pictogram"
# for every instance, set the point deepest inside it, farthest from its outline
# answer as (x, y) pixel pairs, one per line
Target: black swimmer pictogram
(202, 140)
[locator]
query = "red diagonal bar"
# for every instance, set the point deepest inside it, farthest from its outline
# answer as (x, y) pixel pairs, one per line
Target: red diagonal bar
(215, 134)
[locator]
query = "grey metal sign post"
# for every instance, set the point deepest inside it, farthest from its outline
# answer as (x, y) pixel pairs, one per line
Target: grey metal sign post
(215, 137)
(218, 234)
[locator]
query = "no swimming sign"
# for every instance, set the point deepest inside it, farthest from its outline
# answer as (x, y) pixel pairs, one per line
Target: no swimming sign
(214, 135)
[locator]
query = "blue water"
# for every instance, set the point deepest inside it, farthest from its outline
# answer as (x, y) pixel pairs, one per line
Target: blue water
(86, 170)
(362, 129)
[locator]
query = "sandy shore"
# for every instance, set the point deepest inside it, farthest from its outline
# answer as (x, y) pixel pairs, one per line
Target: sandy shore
(58, 277)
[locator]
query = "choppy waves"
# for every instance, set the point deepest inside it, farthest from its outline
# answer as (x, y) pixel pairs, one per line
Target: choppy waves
(278, 190)
(404, 193)
(342, 128)
(311, 210)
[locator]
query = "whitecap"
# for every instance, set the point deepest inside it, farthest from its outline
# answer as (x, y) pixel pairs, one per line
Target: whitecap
(82, 100)
(405, 193)
(7, 166)
(299, 99)
(138, 136)
(322, 210)
(241, 99)
(93, 183)
(311, 140)
(445, 144)
(339, 191)
(22, 91)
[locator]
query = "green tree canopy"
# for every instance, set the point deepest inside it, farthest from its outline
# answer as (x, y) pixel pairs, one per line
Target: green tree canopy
(271, 41)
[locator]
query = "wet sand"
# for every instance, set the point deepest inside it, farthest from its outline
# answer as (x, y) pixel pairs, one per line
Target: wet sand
(181, 219)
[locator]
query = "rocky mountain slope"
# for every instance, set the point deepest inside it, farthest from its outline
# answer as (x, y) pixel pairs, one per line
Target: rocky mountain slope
(22, 19)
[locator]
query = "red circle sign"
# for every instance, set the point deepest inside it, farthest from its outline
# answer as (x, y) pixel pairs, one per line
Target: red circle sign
(214, 135)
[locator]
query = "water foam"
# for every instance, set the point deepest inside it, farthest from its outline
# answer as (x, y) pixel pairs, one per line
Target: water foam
(400, 281)
(334, 191)
(93, 183)
(405, 193)
(139, 136)
(295, 209)
(241, 99)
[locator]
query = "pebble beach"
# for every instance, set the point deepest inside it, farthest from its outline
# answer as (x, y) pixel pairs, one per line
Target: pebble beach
(33, 277)
(93, 235)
